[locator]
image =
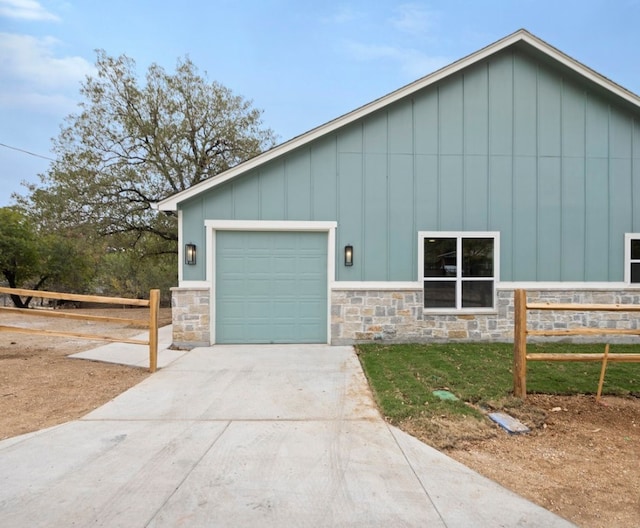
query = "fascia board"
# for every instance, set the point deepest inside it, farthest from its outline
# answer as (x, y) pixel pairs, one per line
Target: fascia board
(580, 68)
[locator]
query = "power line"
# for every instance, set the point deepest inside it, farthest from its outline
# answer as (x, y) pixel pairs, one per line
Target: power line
(27, 152)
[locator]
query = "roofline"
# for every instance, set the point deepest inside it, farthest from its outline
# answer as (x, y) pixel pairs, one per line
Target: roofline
(522, 35)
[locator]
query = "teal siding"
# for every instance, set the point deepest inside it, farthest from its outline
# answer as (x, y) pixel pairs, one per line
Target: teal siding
(401, 233)
(324, 180)
(375, 250)
(427, 195)
(572, 221)
(476, 194)
(451, 193)
(273, 193)
(525, 219)
(597, 219)
(511, 145)
(501, 209)
(549, 215)
(298, 191)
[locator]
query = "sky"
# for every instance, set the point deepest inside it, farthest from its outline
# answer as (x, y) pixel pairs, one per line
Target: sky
(302, 62)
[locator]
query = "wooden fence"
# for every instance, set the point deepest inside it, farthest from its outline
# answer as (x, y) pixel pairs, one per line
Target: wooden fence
(520, 356)
(153, 303)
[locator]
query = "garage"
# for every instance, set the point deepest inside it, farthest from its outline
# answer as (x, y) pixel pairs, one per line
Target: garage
(270, 287)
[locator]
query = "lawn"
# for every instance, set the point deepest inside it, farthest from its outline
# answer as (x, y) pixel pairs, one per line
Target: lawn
(404, 376)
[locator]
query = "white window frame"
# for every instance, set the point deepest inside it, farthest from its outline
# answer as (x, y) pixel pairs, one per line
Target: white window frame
(628, 237)
(459, 235)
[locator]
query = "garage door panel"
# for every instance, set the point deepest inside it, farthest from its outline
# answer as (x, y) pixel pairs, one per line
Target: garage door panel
(308, 287)
(283, 265)
(285, 311)
(271, 287)
(235, 310)
(258, 310)
(305, 310)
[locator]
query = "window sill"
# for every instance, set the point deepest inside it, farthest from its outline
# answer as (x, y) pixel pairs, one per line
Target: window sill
(454, 311)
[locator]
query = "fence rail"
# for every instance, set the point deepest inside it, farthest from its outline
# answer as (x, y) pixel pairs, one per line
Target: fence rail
(153, 303)
(520, 356)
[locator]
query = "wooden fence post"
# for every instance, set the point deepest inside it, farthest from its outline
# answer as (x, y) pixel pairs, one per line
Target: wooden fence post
(520, 344)
(154, 307)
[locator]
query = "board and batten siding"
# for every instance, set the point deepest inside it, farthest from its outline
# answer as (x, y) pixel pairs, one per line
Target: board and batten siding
(510, 144)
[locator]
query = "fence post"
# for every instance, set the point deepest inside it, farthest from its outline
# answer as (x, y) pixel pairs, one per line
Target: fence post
(520, 344)
(154, 307)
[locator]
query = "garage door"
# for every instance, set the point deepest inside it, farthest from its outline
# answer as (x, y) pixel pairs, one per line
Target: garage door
(271, 287)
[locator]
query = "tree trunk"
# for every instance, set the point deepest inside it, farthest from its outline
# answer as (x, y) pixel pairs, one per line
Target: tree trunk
(19, 303)
(16, 299)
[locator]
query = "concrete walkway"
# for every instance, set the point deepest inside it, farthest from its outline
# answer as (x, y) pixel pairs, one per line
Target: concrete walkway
(236, 436)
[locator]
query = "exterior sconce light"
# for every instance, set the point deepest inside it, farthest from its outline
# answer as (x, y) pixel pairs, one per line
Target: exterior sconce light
(190, 254)
(348, 255)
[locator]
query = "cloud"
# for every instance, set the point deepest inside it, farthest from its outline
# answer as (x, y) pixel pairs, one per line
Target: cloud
(343, 15)
(33, 77)
(56, 104)
(30, 60)
(396, 36)
(413, 19)
(413, 63)
(25, 10)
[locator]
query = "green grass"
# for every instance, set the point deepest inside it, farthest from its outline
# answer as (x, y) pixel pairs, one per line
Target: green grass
(402, 377)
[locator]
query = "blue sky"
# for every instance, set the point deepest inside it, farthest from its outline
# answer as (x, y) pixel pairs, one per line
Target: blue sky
(302, 62)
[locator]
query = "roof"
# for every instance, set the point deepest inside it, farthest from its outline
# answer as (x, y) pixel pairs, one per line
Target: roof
(520, 36)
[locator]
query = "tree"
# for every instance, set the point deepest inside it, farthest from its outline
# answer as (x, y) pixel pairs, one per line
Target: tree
(29, 259)
(132, 145)
(18, 247)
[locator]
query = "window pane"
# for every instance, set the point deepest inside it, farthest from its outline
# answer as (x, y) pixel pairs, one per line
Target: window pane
(477, 257)
(439, 294)
(477, 294)
(635, 249)
(440, 257)
(635, 272)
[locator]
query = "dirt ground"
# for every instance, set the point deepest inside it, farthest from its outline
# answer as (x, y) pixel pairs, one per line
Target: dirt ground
(41, 387)
(581, 459)
(582, 462)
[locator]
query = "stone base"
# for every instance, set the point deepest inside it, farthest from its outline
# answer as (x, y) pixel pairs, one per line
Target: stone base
(190, 312)
(361, 316)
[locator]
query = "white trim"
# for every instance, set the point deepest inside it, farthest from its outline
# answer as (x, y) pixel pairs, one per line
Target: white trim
(628, 237)
(270, 225)
(524, 285)
(376, 285)
(532, 285)
(194, 284)
(212, 226)
(180, 246)
(522, 35)
(210, 248)
(462, 311)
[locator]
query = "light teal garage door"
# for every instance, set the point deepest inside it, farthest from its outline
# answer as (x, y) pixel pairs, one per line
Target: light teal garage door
(271, 287)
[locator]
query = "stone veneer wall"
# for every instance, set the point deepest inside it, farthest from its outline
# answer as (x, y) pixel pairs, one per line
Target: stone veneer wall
(190, 312)
(398, 316)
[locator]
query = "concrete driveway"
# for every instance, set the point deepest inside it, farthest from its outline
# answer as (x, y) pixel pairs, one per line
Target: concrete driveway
(254, 436)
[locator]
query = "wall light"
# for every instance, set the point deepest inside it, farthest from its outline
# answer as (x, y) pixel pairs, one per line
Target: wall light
(348, 255)
(190, 254)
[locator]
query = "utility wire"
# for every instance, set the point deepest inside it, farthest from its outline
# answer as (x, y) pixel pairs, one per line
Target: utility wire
(27, 152)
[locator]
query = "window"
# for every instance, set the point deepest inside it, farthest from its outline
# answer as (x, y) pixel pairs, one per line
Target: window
(459, 269)
(632, 258)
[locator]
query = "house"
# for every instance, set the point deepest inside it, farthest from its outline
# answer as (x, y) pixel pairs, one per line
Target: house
(414, 217)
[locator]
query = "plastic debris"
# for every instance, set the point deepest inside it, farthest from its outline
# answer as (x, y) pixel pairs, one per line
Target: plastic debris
(445, 395)
(509, 423)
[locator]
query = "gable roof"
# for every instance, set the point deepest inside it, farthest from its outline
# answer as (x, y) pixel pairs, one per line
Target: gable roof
(521, 36)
